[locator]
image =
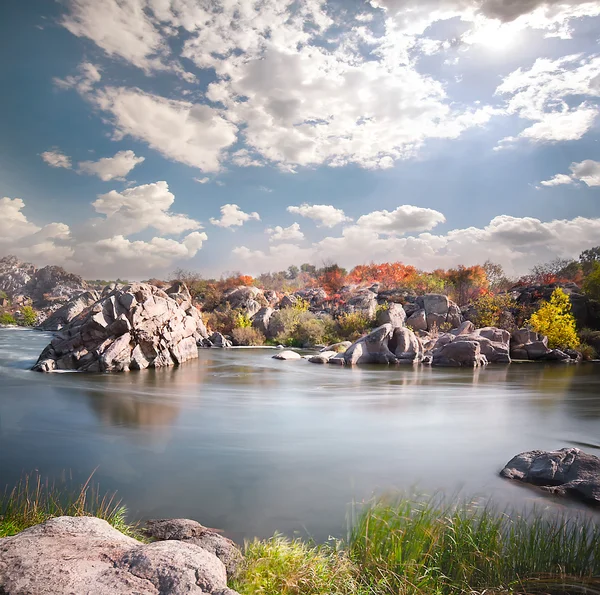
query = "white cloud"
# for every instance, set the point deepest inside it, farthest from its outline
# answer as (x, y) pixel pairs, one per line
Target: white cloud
(587, 171)
(550, 94)
(558, 180)
(55, 158)
(204, 180)
(325, 215)
(192, 133)
(233, 216)
(285, 234)
(404, 219)
(111, 168)
(13, 223)
(89, 75)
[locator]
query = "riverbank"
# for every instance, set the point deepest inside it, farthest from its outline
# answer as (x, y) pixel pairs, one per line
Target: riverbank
(394, 545)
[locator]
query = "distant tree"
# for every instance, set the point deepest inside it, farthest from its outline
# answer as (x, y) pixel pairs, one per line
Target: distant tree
(559, 269)
(29, 316)
(588, 257)
(310, 269)
(468, 282)
(591, 285)
(292, 272)
(332, 278)
(554, 319)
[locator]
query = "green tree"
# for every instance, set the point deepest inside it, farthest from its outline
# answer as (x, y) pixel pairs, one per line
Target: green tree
(588, 257)
(591, 284)
(29, 316)
(554, 319)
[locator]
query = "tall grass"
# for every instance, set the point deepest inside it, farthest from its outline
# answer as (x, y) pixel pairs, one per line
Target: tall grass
(404, 546)
(35, 499)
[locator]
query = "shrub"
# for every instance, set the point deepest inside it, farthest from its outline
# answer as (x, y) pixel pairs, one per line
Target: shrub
(489, 309)
(223, 320)
(587, 351)
(243, 321)
(352, 326)
(28, 316)
(310, 332)
(554, 319)
(7, 318)
(247, 336)
(591, 285)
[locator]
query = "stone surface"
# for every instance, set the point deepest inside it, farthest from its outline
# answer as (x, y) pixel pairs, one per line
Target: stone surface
(363, 301)
(338, 347)
(459, 354)
(322, 357)
(372, 349)
(65, 314)
(435, 303)
(393, 314)
(219, 340)
(406, 346)
(567, 472)
(417, 321)
(72, 556)
(196, 534)
(133, 327)
(287, 355)
(261, 320)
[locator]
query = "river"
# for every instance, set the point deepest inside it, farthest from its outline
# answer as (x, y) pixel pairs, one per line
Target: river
(252, 445)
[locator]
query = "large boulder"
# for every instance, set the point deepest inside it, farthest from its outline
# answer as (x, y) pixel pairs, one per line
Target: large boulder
(245, 297)
(65, 314)
(393, 314)
(493, 342)
(436, 310)
(566, 472)
(261, 320)
(135, 327)
(68, 556)
(417, 320)
(372, 349)
(459, 354)
(406, 346)
(193, 532)
(363, 301)
(526, 344)
(287, 355)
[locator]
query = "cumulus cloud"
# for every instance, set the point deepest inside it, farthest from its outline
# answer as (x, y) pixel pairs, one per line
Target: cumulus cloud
(55, 158)
(587, 171)
(550, 94)
(324, 215)
(404, 219)
(285, 234)
(233, 216)
(101, 246)
(88, 75)
(191, 133)
(111, 168)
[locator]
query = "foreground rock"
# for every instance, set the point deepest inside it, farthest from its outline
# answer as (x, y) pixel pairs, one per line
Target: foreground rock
(193, 532)
(134, 327)
(529, 345)
(66, 556)
(566, 472)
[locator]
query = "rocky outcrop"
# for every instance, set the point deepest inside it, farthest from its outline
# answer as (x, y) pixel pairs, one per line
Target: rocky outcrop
(215, 340)
(261, 320)
(66, 556)
(193, 532)
(566, 472)
(65, 314)
(363, 301)
(458, 354)
(135, 327)
(433, 311)
(372, 349)
(15, 275)
(529, 345)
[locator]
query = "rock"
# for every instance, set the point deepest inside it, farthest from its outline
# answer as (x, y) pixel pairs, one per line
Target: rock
(417, 321)
(133, 327)
(61, 317)
(493, 342)
(406, 346)
(68, 556)
(245, 297)
(372, 349)
(364, 301)
(454, 317)
(435, 321)
(288, 301)
(287, 355)
(435, 303)
(261, 320)
(459, 354)
(465, 328)
(529, 345)
(393, 314)
(219, 340)
(338, 347)
(337, 360)
(567, 472)
(196, 534)
(322, 357)
(315, 296)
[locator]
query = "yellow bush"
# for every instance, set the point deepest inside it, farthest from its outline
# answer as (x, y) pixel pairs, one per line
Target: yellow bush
(554, 319)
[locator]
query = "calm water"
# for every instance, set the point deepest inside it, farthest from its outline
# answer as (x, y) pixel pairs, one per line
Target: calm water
(240, 441)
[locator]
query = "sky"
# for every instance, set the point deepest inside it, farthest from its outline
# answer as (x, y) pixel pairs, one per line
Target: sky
(139, 136)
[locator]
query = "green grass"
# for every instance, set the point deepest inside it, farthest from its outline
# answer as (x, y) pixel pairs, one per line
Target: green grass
(35, 500)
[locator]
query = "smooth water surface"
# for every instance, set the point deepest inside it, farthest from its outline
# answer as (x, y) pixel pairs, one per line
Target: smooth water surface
(249, 444)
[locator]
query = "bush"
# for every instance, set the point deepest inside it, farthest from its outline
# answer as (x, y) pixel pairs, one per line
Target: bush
(310, 332)
(591, 285)
(7, 318)
(353, 326)
(490, 310)
(554, 319)
(223, 320)
(247, 337)
(587, 351)
(28, 316)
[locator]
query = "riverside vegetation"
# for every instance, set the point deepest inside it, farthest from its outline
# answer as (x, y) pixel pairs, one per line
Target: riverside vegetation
(395, 545)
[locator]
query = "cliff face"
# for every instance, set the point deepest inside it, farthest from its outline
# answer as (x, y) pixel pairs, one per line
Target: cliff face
(44, 287)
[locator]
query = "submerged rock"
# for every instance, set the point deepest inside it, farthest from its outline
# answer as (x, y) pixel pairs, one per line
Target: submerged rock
(287, 355)
(134, 327)
(566, 472)
(193, 532)
(66, 556)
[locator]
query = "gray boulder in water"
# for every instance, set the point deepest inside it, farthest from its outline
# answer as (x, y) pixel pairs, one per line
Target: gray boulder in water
(566, 472)
(67, 555)
(134, 327)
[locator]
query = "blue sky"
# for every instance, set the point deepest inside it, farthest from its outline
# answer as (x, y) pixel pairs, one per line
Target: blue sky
(142, 135)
